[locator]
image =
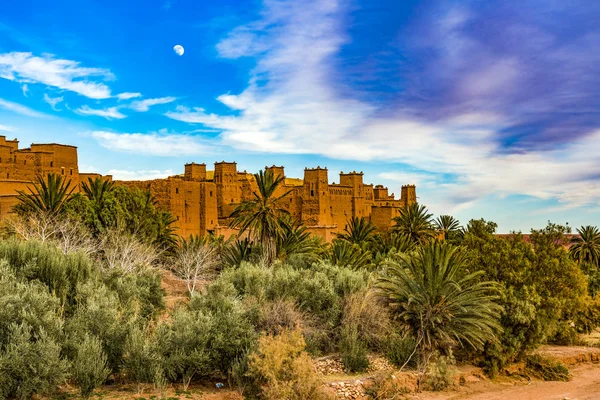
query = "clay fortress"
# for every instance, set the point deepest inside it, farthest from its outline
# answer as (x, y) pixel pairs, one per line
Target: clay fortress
(202, 200)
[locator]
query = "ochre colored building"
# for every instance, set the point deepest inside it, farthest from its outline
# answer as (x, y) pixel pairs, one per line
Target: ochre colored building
(202, 200)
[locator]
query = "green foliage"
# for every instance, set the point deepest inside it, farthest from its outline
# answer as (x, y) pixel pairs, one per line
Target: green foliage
(140, 358)
(543, 291)
(359, 231)
(585, 248)
(47, 196)
(400, 350)
(29, 363)
(546, 369)
(89, 368)
(347, 254)
(440, 373)
(441, 304)
(59, 272)
(295, 241)
(261, 217)
(392, 242)
(353, 350)
(447, 224)
(416, 222)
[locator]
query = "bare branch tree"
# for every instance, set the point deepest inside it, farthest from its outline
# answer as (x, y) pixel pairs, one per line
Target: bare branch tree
(125, 252)
(195, 261)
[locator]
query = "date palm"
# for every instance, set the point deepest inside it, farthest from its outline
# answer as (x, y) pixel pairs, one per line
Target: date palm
(358, 230)
(261, 217)
(415, 221)
(96, 189)
(585, 248)
(447, 224)
(441, 304)
(47, 196)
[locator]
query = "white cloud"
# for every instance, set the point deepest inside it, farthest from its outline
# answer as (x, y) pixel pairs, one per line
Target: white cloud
(144, 105)
(108, 113)
(20, 109)
(25, 89)
(291, 106)
(143, 175)
(53, 101)
(156, 144)
(55, 72)
(128, 95)
(6, 128)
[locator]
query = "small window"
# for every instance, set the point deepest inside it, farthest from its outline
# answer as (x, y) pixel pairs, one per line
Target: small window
(312, 193)
(24, 162)
(290, 199)
(62, 170)
(51, 164)
(71, 171)
(176, 190)
(7, 175)
(211, 221)
(211, 195)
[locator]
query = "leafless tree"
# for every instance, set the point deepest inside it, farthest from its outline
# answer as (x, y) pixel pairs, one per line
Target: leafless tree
(125, 252)
(195, 261)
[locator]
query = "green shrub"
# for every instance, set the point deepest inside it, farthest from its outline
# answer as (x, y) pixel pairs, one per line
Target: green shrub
(440, 373)
(99, 313)
(353, 350)
(401, 350)
(546, 369)
(140, 291)
(27, 303)
(140, 358)
(59, 272)
(183, 345)
(29, 363)
(90, 367)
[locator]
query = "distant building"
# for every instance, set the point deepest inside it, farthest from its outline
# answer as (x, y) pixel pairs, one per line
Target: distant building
(202, 200)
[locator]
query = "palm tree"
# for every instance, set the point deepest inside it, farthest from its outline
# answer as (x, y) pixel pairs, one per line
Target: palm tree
(295, 239)
(47, 196)
(385, 243)
(440, 303)
(96, 189)
(585, 248)
(447, 224)
(415, 222)
(261, 217)
(346, 254)
(359, 230)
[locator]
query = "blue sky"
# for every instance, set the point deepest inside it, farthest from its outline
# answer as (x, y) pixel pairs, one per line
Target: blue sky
(491, 107)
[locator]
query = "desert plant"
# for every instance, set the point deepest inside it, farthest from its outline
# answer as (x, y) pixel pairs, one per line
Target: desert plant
(48, 196)
(30, 363)
(353, 350)
(194, 261)
(261, 217)
(585, 248)
(283, 369)
(358, 230)
(442, 304)
(347, 254)
(90, 368)
(415, 221)
(447, 224)
(546, 369)
(140, 358)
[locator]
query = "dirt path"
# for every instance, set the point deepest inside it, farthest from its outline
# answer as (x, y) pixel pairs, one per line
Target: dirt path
(584, 385)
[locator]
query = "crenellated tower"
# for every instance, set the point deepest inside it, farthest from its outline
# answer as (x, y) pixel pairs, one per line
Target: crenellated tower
(316, 198)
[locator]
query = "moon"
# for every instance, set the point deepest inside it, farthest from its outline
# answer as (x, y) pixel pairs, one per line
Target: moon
(178, 49)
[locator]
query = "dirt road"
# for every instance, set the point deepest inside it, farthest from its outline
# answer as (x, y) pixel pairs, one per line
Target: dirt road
(584, 385)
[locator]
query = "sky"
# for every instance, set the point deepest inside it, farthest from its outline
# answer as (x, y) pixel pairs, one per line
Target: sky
(492, 108)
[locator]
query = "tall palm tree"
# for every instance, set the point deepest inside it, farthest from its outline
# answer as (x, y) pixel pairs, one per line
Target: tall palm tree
(415, 221)
(384, 243)
(359, 230)
(295, 239)
(442, 305)
(447, 224)
(96, 189)
(346, 254)
(48, 196)
(261, 217)
(585, 248)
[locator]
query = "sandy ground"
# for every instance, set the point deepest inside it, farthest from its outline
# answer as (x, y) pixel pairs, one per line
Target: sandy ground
(584, 385)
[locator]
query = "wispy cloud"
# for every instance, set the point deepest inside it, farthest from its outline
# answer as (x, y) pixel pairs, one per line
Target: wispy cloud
(55, 72)
(53, 101)
(143, 175)
(5, 128)
(25, 89)
(292, 105)
(20, 109)
(154, 144)
(144, 105)
(108, 113)
(128, 95)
